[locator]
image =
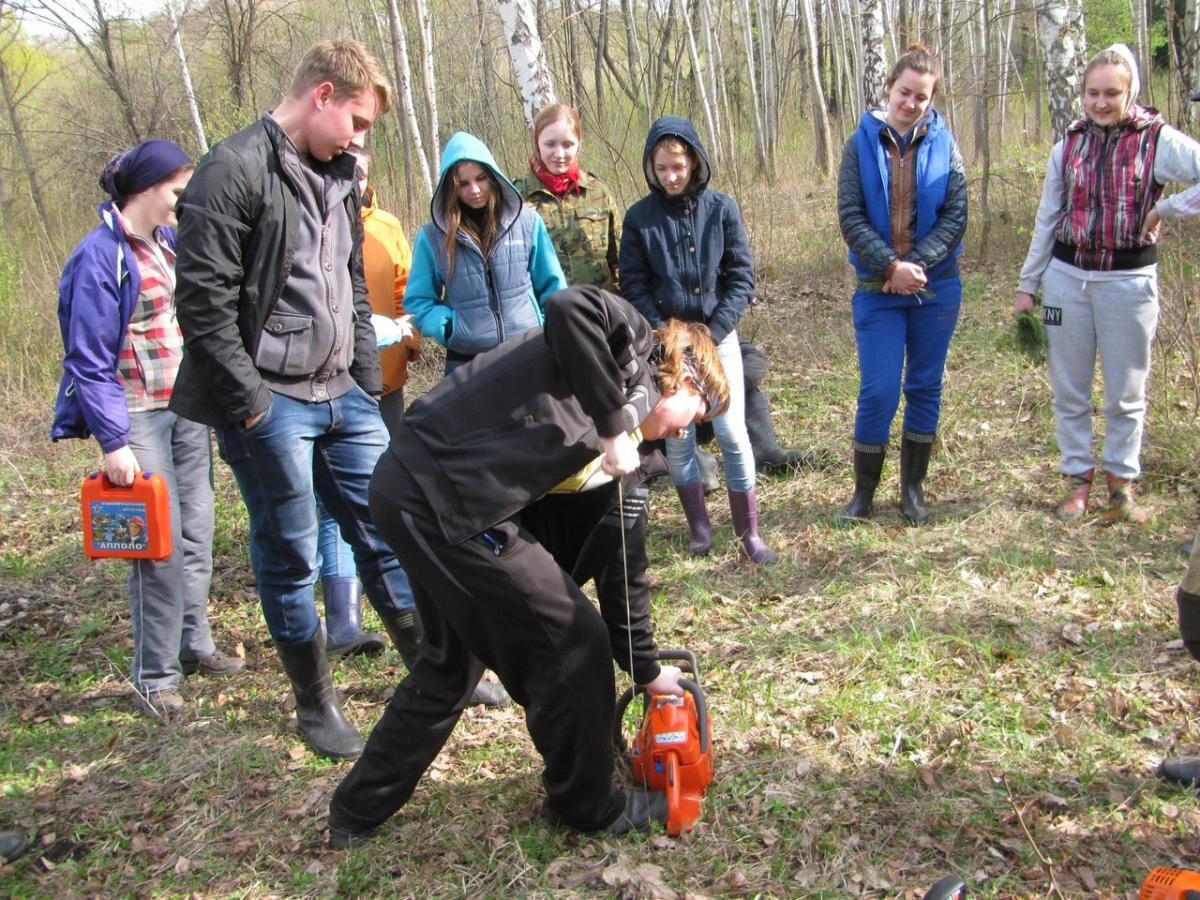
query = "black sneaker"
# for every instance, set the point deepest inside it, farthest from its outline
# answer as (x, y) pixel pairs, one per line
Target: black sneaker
(642, 809)
(341, 835)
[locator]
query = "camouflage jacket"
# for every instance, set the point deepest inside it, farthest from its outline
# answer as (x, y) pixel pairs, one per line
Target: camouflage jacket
(585, 228)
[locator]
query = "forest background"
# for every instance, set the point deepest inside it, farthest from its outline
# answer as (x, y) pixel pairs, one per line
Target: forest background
(988, 695)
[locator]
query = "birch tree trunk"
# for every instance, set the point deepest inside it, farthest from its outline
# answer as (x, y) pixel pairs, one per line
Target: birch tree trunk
(1060, 31)
(634, 51)
(528, 57)
(404, 88)
(186, 76)
(1141, 47)
(874, 74)
(425, 29)
(820, 114)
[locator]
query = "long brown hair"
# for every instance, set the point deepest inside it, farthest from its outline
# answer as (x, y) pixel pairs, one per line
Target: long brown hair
(688, 349)
(452, 209)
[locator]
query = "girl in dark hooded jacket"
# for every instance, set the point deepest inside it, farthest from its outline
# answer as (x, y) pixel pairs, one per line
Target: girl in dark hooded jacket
(684, 255)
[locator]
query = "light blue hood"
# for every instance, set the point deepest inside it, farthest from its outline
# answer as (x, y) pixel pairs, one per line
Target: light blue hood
(463, 147)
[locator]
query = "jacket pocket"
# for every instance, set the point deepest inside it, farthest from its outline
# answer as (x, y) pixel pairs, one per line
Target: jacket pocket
(474, 330)
(285, 344)
(594, 226)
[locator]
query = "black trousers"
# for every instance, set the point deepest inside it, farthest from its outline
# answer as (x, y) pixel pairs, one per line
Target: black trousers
(504, 600)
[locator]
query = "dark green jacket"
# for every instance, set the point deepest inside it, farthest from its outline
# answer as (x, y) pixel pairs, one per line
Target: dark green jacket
(584, 227)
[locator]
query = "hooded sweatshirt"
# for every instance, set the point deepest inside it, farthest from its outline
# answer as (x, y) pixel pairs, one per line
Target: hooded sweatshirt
(1169, 155)
(686, 257)
(486, 301)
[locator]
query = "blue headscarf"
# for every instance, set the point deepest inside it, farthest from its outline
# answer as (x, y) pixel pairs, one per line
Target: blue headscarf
(133, 171)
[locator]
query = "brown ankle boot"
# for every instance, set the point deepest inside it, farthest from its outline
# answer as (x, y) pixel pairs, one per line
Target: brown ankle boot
(1075, 505)
(1121, 505)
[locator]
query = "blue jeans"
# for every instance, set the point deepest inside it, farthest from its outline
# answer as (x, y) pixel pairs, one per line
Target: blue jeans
(337, 557)
(902, 344)
(730, 431)
(297, 447)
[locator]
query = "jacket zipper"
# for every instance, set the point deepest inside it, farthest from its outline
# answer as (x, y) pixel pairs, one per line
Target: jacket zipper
(494, 300)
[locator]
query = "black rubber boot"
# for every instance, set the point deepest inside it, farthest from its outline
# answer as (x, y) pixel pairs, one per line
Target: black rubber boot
(768, 455)
(318, 708)
(1189, 620)
(914, 465)
(406, 632)
(1183, 770)
(343, 620)
(868, 467)
(708, 471)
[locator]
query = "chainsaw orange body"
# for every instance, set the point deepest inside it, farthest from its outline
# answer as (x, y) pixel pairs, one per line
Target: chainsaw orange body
(1166, 883)
(672, 751)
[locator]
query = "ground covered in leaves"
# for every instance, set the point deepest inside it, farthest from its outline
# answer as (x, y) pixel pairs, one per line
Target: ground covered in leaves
(988, 695)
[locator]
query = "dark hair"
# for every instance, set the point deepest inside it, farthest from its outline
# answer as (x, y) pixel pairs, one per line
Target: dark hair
(456, 221)
(919, 58)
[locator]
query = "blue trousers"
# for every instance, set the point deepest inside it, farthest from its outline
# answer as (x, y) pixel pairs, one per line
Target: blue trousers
(902, 344)
(296, 448)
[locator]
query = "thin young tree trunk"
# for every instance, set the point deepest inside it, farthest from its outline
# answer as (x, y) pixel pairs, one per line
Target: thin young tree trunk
(404, 88)
(820, 115)
(1141, 45)
(760, 150)
(527, 55)
(186, 77)
(698, 80)
(601, 52)
(425, 29)
(401, 119)
(982, 130)
(18, 133)
(634, 55)
(712, 49)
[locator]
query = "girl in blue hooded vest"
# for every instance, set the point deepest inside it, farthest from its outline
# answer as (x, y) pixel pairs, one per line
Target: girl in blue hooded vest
(902, 207)
(684, 255)
(483, 267)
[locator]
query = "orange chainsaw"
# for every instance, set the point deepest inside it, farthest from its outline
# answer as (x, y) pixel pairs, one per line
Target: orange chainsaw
(1165, 883)
(672, 751)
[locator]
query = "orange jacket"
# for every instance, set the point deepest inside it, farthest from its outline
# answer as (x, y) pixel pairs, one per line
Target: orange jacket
(386, 261)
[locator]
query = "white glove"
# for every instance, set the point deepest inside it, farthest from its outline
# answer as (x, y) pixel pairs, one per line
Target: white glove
(387, 331)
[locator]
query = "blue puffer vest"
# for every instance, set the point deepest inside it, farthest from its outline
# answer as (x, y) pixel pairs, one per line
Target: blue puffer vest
(493, 299)
(932, 176)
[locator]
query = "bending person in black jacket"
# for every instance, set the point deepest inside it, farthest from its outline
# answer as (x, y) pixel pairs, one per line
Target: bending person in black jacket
(491, 495)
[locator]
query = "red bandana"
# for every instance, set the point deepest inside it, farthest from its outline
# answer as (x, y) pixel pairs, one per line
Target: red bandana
(558, 185)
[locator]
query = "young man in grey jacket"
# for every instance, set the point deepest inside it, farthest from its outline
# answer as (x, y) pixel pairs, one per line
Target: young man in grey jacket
(280, 357)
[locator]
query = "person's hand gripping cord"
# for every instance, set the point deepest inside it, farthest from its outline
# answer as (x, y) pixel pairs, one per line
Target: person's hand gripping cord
(667, 682)
(620, 455)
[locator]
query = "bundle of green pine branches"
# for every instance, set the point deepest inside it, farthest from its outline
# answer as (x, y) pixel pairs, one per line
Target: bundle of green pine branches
(1030, 336)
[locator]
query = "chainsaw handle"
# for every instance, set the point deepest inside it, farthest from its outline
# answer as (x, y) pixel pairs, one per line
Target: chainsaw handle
(687, 657)
(688, 685)
(701, 709)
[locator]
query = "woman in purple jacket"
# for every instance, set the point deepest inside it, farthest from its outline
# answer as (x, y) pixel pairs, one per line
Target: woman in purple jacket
(684, 255)
(116, 311)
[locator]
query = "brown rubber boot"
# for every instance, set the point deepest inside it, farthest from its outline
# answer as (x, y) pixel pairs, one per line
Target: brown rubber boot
(1121, 505)
(1072, 508)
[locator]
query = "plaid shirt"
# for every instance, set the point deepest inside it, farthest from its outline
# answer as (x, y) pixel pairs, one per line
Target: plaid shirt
(153, 346)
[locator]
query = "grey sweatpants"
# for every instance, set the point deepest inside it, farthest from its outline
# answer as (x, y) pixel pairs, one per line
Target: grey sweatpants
(1116, 317)
(168, 600)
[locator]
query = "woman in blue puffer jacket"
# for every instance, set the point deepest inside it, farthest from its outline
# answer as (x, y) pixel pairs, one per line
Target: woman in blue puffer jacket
(902, 207)
(483, 267)
(684, 255)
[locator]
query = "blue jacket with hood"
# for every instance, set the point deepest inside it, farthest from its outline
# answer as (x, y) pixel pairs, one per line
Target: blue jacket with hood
(686, 257)
(486, 301)
(97, 293)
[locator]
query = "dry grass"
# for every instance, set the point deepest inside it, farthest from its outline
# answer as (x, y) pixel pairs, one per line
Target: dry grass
(988, 695)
